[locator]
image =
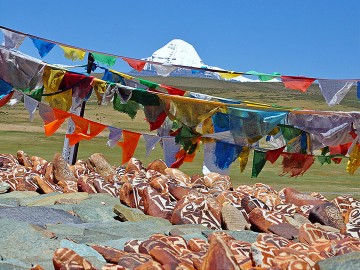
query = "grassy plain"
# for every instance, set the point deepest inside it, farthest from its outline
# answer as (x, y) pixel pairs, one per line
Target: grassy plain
(17, 132)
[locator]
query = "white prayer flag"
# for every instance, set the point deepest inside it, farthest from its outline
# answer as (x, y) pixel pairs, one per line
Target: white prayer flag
(30, 105)
(334, 90)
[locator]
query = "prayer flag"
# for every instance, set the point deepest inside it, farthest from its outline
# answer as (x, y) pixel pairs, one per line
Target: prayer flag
(104, 59)
(129, 144)
(114, 136)
(259, 161)
(42, 46)
(334, 90)
(12, 40)
(30, 105)
(135, 64)
(72, 53)
(297, 83)
(150, 142)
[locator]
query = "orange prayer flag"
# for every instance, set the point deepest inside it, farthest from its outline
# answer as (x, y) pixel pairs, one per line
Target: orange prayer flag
(129, 144)
(297, 83)
(136, 64)
(53, 126)
(82, 126)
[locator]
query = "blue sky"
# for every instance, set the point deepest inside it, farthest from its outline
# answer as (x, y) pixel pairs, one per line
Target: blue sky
(318, 39)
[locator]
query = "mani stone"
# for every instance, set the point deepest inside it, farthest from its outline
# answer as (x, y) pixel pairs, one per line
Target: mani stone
(4, 187)
(285, 230)
(232, 218)
(327, 214)
(299, 199)
(38, 215)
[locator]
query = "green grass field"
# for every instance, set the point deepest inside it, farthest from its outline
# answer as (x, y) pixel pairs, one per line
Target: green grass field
(16, 132)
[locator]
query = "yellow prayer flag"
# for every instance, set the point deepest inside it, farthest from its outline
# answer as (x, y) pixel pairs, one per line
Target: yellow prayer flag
(73, 54)
(243, 158)
(354, 160)
(228, 76)
(52, 79)
(122, 74)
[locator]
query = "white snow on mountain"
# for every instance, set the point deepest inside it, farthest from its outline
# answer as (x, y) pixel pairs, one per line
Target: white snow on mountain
(179, 52)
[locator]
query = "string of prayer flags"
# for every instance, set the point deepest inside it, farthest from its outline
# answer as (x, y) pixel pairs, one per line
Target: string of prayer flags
(334, 90)
(296, 164)
(297, 83)
(72, 53)
(263, 76)
(104, 59)
(42, 46)
(12, 40)
(150, 142)
(84, 129)
(114, 136)
(135, 64)
(259, 161)
(129, 144)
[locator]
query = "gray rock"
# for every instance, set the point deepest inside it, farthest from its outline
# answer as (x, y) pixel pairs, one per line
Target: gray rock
(21, 241)
(13, 264)
(349, 261)
(94, 257)
(52, 198)
(125, 213)
(188, 228)
(4, 187)
(38, 215)
(93, 214)
(19, 195)
(9, 202)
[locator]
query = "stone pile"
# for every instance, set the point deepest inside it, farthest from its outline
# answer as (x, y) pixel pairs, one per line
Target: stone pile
(296, 230)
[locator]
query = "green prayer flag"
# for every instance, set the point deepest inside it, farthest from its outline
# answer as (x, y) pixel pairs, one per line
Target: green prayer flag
(130, 108)
(289, 132)
(35, 93)
(187, 137)
(104, 59)
(258, 163)
(144, 97)
(263, 76)
(148, 83)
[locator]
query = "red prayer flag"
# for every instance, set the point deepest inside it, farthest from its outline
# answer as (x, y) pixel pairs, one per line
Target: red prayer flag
(135, 64)
(173, 90)
(159, 121)
(6, 99)
(340, 149)
(296, 164)
(81, 84)
(297, 83)
(273, 155)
